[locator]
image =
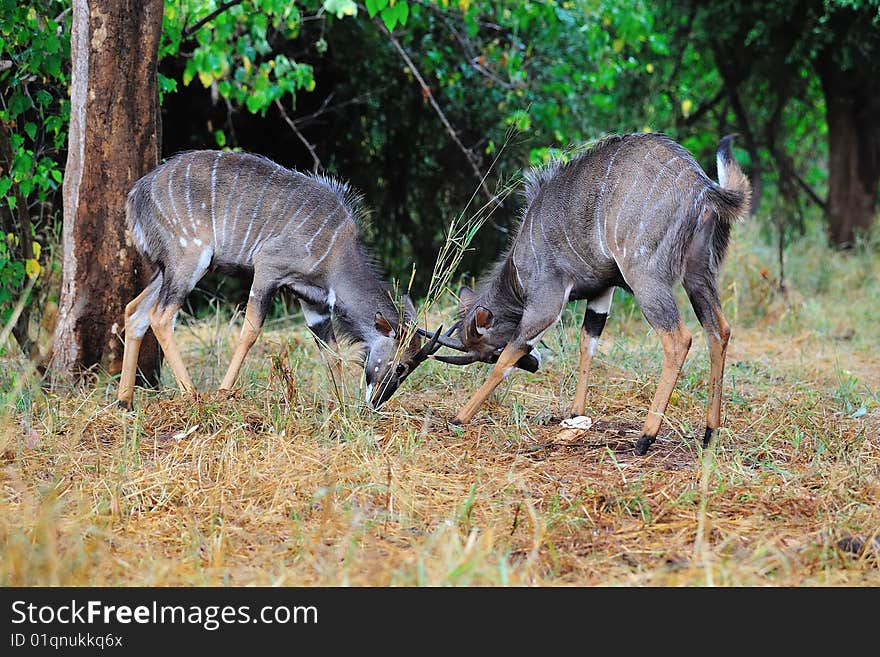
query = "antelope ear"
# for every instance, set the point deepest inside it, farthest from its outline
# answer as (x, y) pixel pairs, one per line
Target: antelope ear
(483, 319)
(384, 326)
(466, 297)
(409, 310)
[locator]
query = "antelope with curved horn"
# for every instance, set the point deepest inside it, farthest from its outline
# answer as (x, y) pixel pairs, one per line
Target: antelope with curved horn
(636, 212)
(242, 213)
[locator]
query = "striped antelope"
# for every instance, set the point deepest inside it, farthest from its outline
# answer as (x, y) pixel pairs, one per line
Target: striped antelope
(237, 212)
(635, 212)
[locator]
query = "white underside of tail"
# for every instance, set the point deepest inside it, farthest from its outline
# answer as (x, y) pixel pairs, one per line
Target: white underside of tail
(722, 171)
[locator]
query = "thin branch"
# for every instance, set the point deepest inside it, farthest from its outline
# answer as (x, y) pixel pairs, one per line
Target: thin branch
(426, 92)
(317, 163)
(809, 191)
(474, 60)
(227, 5)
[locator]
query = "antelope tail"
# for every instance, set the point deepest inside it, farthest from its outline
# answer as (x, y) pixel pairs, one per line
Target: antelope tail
(733, 195)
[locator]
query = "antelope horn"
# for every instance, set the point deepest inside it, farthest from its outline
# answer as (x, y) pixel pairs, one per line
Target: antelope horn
(429, 347)
(467, 359)
(445, 339)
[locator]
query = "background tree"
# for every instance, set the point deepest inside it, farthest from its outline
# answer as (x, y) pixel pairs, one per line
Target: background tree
(34, 53)
(113, 141)
(800, 81)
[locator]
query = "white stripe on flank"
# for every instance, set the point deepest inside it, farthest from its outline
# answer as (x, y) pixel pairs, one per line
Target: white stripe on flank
(226, 207)
(155, 201)
(186, 194)
(623, 203)
(257, 206)
(699, 198)
(600, 202)
(653, 189)
(531, 230)
(321, 228)
(666, 192)
(331, 298)
(182, 242)
(279, 223)
(306, 218)
(214, 198)
(171, 171)
(241, 199)
(326, 252)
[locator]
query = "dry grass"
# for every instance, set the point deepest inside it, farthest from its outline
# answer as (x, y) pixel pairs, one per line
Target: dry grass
(282, 485)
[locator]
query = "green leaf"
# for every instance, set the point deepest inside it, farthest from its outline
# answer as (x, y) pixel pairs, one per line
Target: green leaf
(341, 8)
(389, 17)
(31, 129)
(375, 6)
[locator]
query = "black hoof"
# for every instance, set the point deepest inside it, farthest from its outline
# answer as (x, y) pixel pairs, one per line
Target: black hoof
(707, 437)
(643, 444)
(456, 422)
(124, 405)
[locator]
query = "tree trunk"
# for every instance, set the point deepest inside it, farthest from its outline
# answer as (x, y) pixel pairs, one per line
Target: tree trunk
(113, 141)
(853, 116)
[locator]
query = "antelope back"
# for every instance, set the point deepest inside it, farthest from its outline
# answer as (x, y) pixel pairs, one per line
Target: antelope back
(235, 205)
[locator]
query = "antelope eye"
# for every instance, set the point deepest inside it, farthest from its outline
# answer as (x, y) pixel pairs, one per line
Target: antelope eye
(401, 369)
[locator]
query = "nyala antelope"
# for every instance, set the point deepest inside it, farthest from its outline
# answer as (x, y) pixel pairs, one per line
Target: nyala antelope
(242, 213)
(636, 212)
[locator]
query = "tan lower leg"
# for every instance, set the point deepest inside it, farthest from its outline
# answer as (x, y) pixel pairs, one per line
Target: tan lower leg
(580, 395)
(717, 355)
(676, 344)
(132, 348)
(125, 395)
(503, 367)
(250, 331)
(161, 322)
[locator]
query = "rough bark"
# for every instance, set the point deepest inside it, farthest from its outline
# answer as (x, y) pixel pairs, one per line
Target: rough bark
(113, 141)
(853, 115)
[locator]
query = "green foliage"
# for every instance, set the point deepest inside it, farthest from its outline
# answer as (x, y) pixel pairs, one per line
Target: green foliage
(34, 110)
(239, 53)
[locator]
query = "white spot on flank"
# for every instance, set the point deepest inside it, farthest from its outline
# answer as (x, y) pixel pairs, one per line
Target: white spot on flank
(197, 241)
(204, 206)
(376, 369)
(202, 266)
(183, 242)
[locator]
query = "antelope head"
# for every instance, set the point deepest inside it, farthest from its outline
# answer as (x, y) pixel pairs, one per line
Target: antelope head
(479, 338)
(395, 354)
